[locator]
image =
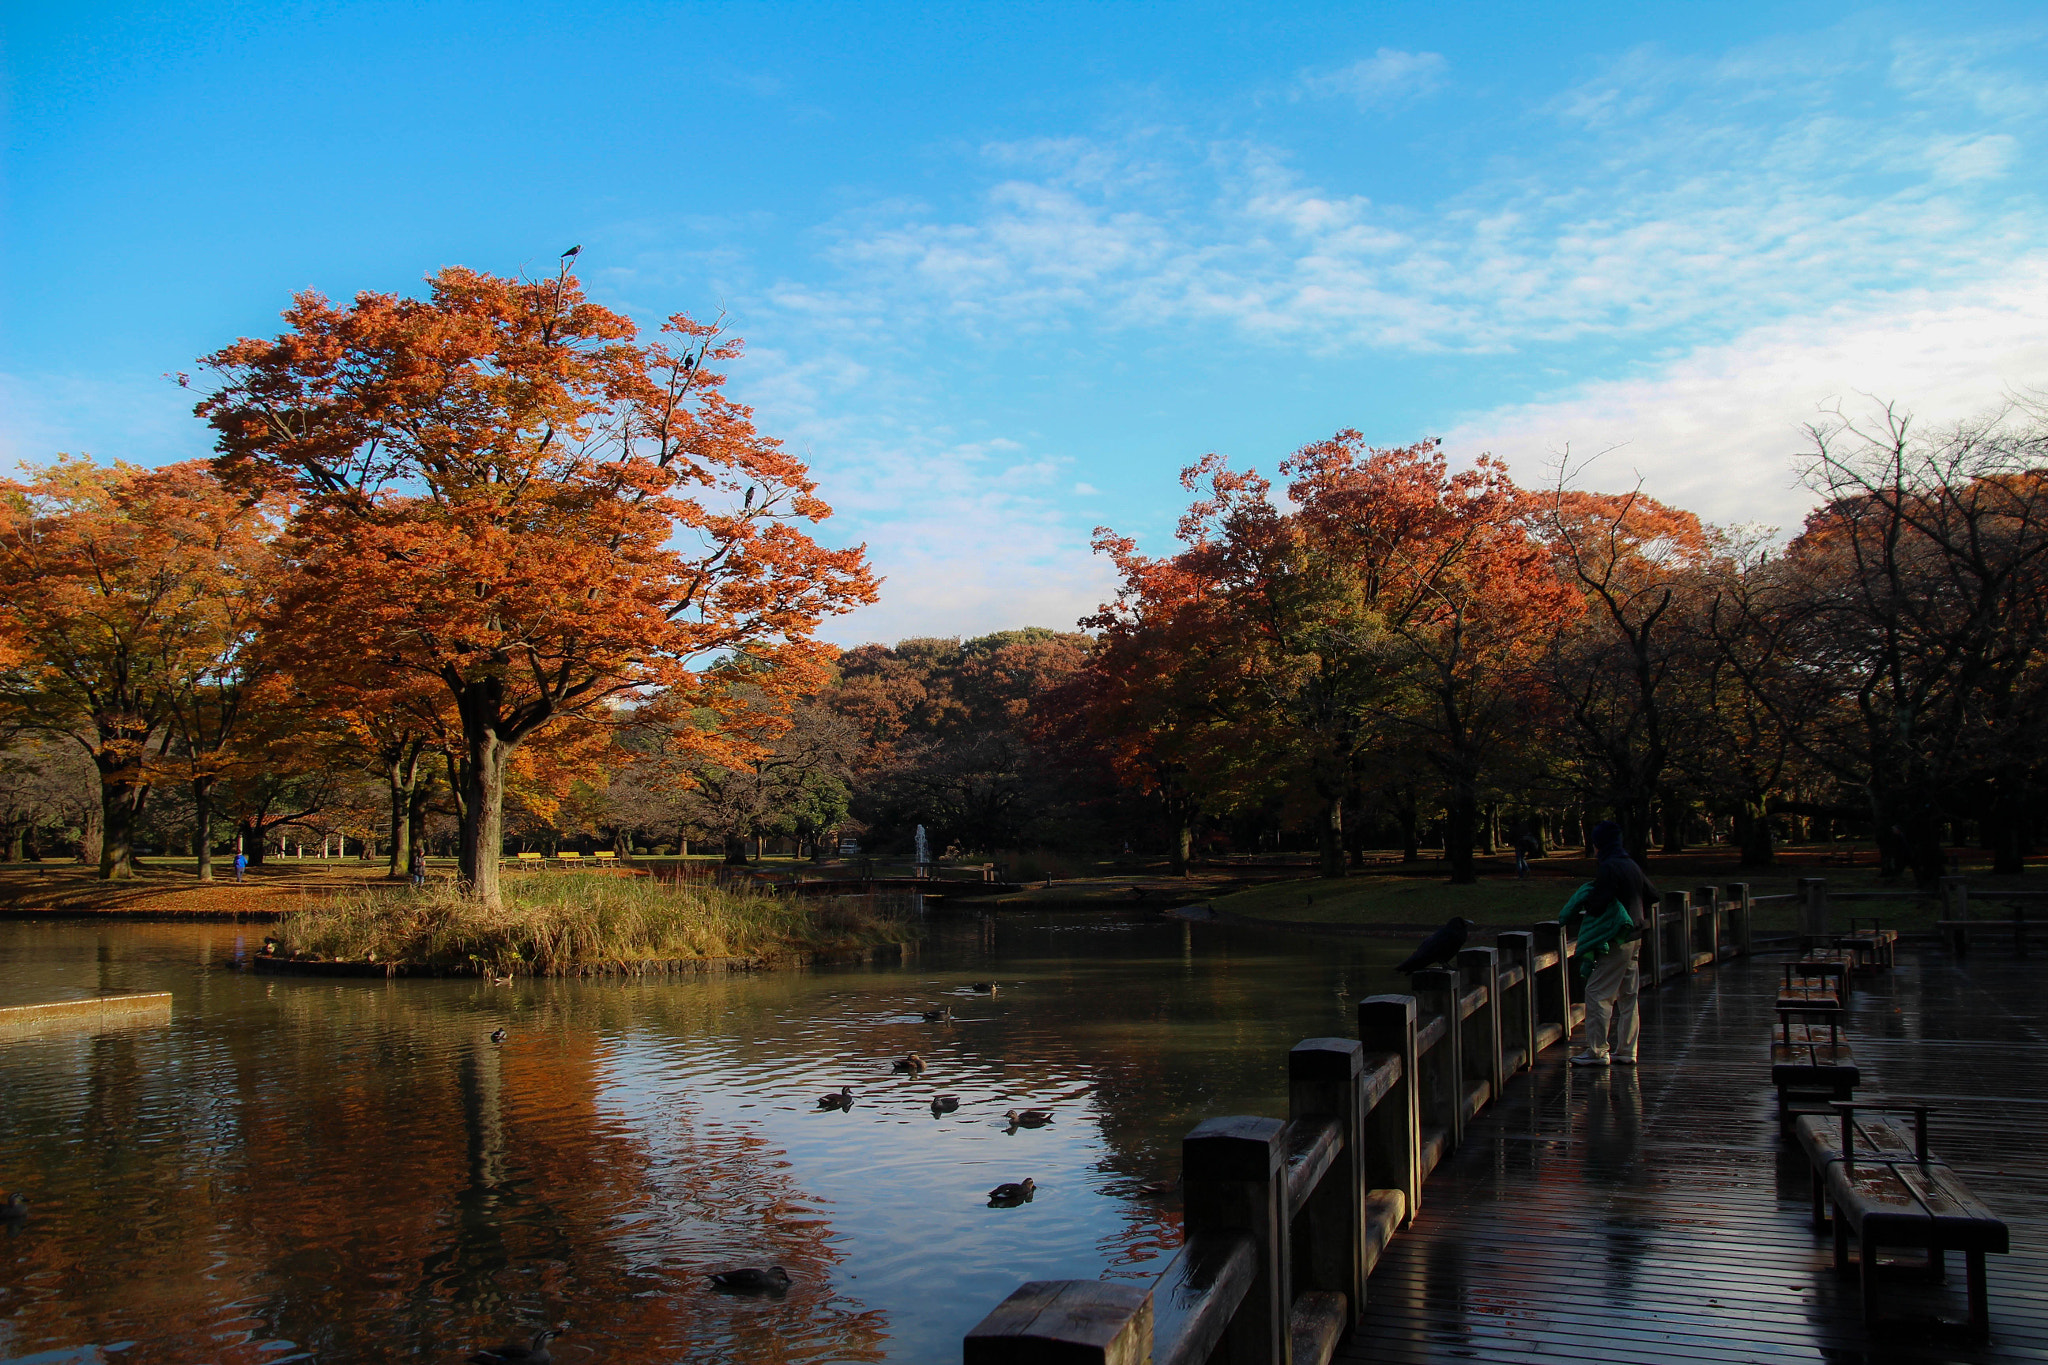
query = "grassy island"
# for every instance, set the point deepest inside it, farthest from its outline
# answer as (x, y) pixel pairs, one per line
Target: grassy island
(560, 921)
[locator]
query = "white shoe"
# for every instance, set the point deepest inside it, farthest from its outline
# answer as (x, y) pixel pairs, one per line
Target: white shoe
(1589, 1058)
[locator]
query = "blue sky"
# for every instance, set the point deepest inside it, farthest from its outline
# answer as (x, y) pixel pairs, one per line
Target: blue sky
(1004, 269)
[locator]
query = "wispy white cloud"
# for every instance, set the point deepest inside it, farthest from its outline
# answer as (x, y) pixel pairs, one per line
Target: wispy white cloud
(1662, 195)
(1720, 429)
(1389, 76)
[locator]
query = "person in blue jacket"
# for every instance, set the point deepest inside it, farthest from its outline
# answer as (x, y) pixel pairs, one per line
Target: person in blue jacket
(241, 863)
(1612, 1024)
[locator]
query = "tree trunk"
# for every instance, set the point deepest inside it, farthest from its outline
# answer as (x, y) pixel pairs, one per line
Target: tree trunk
(2007, 826)
(1330, 836)
(16, 836)
(1461, 825)
(202, 825)
(93, 837)
(416, 826)
(1674, 810)
(1404, 815)
(483, 812)
(401, 824)
(1753, 833)
(1182, 857)
(252, 833)
(736, 851)
(121, 800)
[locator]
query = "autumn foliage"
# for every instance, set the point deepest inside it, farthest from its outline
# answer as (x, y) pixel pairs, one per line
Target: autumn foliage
(501, 496)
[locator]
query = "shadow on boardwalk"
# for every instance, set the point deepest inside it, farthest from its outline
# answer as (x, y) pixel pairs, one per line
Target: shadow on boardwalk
(1654, 1216)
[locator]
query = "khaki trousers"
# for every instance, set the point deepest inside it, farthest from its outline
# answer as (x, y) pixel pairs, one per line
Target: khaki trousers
(1611, 1021)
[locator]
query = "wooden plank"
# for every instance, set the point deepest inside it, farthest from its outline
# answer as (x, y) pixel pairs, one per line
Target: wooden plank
(1193, 1301)
(1668, 1186)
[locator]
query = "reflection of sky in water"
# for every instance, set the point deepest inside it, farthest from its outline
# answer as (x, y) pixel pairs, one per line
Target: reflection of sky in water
(349, 1168)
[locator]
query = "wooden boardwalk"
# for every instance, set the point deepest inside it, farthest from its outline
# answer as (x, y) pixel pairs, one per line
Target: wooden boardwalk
(1653, 1215)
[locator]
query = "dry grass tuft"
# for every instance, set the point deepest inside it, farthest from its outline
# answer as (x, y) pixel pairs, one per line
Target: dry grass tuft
(555, 922)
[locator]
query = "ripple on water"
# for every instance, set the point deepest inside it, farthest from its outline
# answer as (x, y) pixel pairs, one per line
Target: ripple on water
(308, 1169)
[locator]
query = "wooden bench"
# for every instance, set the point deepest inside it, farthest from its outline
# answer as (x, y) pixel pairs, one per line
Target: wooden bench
(1830, 967)
(1811, 1064)
(1869, 943)
(532, 858)
(607, 853)
(1886, 1190)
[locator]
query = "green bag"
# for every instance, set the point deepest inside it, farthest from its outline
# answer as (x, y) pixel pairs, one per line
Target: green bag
(1597, 929)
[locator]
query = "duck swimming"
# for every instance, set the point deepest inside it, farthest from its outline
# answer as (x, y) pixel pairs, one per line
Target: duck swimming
(944, 1104)
(1010, 1195)
(842, 1100)
(939, 1015)
(773, 1280)
(16, 1207)
(537, 1353)
(914, 1064)
(1029, 1118)
(984, 988)
(497, 1035)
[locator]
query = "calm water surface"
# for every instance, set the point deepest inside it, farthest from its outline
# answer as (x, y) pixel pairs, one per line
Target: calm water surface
(301, 1169)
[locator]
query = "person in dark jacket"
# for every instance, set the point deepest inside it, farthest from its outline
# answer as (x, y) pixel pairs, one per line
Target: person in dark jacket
(1611, 1018)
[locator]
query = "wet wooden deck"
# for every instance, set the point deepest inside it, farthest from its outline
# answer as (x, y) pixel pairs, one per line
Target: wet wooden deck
(1653, 1215)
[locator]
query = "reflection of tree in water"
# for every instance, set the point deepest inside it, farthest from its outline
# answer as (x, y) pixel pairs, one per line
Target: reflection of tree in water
(374, 1179)
(354, 1168)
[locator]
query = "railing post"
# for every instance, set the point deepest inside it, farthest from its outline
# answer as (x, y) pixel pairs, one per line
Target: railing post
(1386, 1023)
(1706, 901)
(1480, 1035)
(1443, 1089)
(1813, 899)
(1518, 1010)
(1653, 944)
(1086, 1322)
(1739, 917)
(1677, 908)
(1554, 985)
(1234, 1178)
(1323, 1081)
(1955, 905)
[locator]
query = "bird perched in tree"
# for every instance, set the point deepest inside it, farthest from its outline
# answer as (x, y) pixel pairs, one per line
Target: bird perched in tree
(536, 1353)
(944, 1104)
(939, 1015)
(1441, 946)
(914, 1064)
(842, 1100)
(1029, 1118)
(15, 1209)
(773, 1280)
(572, 252)
(498, 1035)
(1010, 1195)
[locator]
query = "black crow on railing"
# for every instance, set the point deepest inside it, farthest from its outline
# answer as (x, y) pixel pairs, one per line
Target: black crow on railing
(1439, 947)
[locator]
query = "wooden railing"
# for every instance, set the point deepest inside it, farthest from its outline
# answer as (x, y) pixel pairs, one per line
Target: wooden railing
(1285, 1220)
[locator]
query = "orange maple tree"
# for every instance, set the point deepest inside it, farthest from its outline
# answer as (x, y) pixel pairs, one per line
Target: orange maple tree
(132, 595)
(501, 490)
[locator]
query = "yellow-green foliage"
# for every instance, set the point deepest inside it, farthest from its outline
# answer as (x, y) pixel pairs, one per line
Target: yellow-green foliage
(555, 921)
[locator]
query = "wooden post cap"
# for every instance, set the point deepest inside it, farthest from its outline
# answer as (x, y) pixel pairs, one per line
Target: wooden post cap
(1321, 1059)
(1065, 1322)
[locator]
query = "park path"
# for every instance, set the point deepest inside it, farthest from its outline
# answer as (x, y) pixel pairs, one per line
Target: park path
(1653, 1216)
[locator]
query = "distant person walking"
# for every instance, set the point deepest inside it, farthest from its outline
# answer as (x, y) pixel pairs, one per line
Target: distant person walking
(416, 867)
(1526, 848)
(241, 864)
(1612, 1024)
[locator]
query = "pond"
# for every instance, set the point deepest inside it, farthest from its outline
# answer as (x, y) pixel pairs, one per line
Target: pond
(300, 1169)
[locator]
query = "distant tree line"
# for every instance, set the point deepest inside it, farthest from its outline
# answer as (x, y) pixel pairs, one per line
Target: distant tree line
(482, 573)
